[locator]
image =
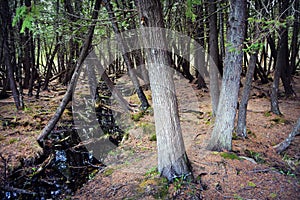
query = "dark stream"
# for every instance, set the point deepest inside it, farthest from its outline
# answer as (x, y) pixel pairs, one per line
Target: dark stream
(64, 166)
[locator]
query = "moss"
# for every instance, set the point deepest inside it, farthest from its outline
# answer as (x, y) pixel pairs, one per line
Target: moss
(148, 128)
(108, 172)
(231, 156)
(159, 187)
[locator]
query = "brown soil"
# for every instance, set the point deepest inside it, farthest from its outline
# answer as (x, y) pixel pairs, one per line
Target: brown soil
(257, 173)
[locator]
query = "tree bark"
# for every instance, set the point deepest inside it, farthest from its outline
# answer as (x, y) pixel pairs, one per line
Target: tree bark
(87, 43)
(221, 137)
(214, 57)
(241, 125)
(295, 41)
(172, 159)
(5, 16)
(286, 72)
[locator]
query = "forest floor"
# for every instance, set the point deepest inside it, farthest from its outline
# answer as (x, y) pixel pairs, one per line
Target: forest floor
(253, 170)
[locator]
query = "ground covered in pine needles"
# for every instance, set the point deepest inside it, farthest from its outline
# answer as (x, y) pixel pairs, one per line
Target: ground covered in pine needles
(253, 170)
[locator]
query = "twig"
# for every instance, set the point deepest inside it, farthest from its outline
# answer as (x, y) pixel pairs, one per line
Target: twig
(260, 170)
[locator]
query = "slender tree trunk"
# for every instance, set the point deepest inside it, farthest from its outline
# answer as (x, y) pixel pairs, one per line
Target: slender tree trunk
(295, 41)
(221, 137)
(200, 60)
(172, 159)
(286, 71)
(5, 16)
(214, 57)
(50, 65)
(126, 57)
(86, 46)
(241, 125)
(281, 63)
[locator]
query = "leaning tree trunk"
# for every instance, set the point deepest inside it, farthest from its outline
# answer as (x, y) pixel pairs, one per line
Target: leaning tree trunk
(172, 159)
(87, 43)
(221, 137)
(283, 145)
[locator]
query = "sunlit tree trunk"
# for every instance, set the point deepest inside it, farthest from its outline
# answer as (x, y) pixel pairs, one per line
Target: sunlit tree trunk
(221, 137)
(172, 158)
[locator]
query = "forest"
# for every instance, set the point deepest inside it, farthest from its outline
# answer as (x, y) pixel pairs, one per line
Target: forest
(149, 99)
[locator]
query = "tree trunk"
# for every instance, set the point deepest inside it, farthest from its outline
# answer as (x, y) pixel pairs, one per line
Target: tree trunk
(128, 61)
(214, 57)
(5, 16)
(172, 158)
(241, 125)
(295, 41)
(286, 72)
(281, 63)
(200, 59)
(221, 137)
(87, 43)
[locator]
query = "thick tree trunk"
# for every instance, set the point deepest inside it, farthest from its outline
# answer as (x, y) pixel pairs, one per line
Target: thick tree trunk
(172, 158)
(221, 137)
(128, 61)
(214, 57)
(87, 43)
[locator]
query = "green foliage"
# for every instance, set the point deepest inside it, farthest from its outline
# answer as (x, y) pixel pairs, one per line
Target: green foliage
(137, 116)
(255, 155)
(152, 137)
(267, 114)
(273, 195)
(279, 120)
(152, 172)
(236, 196)
(27, 16)
(189, 9)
